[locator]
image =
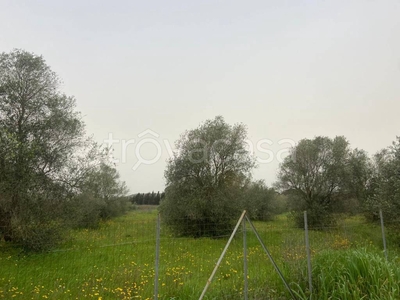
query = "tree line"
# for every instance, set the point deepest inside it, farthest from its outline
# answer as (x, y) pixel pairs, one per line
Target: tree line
(209, 181)
(147, 198)
(53, 177)
(326, 177)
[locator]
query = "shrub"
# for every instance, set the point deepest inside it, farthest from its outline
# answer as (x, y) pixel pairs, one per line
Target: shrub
(196, 216)
(38, 235)
(259, 201)
(115, 207)
(318, 216)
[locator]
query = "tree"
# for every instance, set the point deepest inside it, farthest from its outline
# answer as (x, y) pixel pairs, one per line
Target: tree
(357, 186)
(385, 184)
(42, 140)
(260, 201)
(102, 196)
(146, 198)
(316, 177)
(204, 179)
(158, 198)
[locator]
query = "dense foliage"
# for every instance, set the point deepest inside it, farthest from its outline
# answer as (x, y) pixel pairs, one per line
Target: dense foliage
(323, 176)
(147, 198)
(352, 274)
(260, 201)
(384, 192)
(46, 161)
(205, 179)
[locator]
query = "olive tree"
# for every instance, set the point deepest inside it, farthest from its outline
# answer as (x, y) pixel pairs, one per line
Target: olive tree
(321, 174)
(385, 186)
(104, 184)
(42, 142)
(205, 177)
(260, 201)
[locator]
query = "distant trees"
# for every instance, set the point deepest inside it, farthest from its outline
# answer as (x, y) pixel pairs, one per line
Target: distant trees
(260, 201)
(147, 198)
(102, 196)
(45, 158)
(320, 175)
(205, 179)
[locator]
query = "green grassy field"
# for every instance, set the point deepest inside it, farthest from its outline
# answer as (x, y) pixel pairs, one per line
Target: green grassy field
(117, 261)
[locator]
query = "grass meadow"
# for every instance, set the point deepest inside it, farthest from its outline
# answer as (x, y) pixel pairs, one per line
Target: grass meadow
(117, 261)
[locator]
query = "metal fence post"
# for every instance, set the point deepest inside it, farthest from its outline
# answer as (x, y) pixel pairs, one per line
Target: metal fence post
(222, 255)
(157, 258)
(383, 233)
(245, 260)
(271, 259)
(308, 252)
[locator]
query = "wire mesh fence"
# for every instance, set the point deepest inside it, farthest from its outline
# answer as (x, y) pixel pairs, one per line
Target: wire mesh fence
(120, 260)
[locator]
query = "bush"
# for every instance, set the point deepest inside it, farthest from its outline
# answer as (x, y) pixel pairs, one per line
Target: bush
(259, 201)
(192, 214)
(318, 215)
(317, 219)
(85, 211)
(281, 204)
(35, 229)
(114, 207)
(37, 235)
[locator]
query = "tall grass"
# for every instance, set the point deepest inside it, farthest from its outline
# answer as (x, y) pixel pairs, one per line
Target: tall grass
(353, 274)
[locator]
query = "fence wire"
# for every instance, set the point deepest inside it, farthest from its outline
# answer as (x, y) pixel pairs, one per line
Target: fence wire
(117, 260)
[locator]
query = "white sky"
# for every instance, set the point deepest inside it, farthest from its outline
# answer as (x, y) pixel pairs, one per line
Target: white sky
(286, 69)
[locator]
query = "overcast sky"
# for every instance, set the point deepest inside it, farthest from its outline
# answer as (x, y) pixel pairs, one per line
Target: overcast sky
(143, 72)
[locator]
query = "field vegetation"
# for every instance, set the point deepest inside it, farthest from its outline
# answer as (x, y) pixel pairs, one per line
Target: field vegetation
(117, 261)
